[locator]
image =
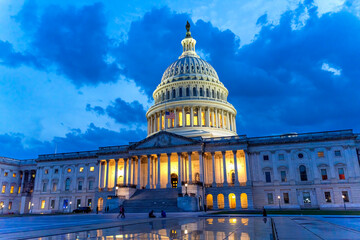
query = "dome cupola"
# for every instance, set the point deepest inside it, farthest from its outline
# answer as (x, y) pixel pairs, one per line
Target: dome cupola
(190, 99)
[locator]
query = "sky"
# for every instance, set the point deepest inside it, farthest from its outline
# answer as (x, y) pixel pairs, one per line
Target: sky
(78, 75)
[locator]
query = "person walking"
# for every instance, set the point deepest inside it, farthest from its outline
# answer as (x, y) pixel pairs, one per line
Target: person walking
(120, 212)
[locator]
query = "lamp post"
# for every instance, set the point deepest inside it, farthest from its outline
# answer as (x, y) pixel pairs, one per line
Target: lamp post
(70, 207)
(279, 202)
(186, 185)
(116, 190)
(2, 208)
(343, 197)
(31, 209)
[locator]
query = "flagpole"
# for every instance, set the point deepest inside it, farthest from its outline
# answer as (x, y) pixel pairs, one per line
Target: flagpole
(165, 114)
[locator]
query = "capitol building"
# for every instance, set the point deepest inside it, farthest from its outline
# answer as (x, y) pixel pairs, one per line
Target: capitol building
(191, 159)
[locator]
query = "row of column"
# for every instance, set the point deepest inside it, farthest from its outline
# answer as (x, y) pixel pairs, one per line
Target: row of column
(185, 171)
(214, 117)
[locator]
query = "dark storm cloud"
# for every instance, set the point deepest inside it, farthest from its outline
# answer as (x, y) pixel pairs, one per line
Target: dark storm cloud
(12, 145)
(72, 39)
(276, 82)
(122, 112)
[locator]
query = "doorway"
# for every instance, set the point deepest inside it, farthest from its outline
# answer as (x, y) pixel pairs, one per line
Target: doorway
(174, 180)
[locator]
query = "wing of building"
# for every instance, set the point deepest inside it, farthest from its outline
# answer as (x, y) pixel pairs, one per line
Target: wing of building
(192, 158)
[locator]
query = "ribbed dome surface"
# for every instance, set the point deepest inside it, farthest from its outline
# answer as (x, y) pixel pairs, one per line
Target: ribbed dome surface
(189, 68)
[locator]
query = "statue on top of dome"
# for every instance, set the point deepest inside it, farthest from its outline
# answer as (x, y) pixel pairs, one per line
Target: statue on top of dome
(188, 33)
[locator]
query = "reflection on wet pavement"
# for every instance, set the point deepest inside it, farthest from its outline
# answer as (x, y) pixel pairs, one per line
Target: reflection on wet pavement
(184, 228)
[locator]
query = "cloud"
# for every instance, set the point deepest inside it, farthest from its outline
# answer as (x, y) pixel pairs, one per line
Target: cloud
(10, 58)
(326, 67)
(15, 145)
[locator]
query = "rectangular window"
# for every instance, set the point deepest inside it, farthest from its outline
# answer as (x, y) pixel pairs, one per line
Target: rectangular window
(180, 119)
(89, 202)
(306, 197)
(44, 187)
(19, 190)
(281, 157)
(327, 197)
(187, 116)
(345, 196)
(42, 204)
(80, 185)
(196, 118)
(78, 203)
(286, 198)
(341, 173)
(162, 121)
(10, 206)
(46, 171)
(12, 189)
(6, 174)
(3, 189)
(56, 171)
(202, 118)
(14, 174)
(320, 154)
(52, 204)
(324, 174)
(91, 185)
(267, 177)
(172, 122)
(270, 198)
(92, 169)
(220, 121)
(283, 176)
(29, 205)
(158, 124)
(54, 187)
(81, 169)
(337, 153)
(225, 121)
(211, 118)
(266, 157)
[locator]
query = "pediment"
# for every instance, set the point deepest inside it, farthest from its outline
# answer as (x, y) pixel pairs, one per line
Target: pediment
(162, 140)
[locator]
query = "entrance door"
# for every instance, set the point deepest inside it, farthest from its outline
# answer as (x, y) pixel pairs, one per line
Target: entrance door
(174, 180)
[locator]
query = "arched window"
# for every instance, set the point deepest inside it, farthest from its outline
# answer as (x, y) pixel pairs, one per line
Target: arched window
(167, 95)
(303, 174)
(67, 184)
(173, 93)
(201, 92)
(180, 92)
(220, 201)
(232, 200)
(213, 94)
(218, 95)
(194, 92)
(244, 200)
(209, 201)
(163, 97)
(187, 91)
(100, 204)
(207, 92)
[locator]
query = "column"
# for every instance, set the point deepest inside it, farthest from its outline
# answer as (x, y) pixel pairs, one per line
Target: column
(224, 168)
(133, 170)
(183, 117)
(22, 182)
(207, 122)
(160, 127)
(190, 168)
(158, 185)
(222, 118)
(191, 116)
(153, 171)
(199, 117)
(248, 176)
(201, 166)
(107, 173)
(227, 121)
(148, 172)
(176, 118)
(156, 122)
(139, 173)
(168, 185)
(234, 123)
(125, 169)
(129, 177)
(179, 170)
(148, 126)
(213, 169)
(236, 169)
(116, 172)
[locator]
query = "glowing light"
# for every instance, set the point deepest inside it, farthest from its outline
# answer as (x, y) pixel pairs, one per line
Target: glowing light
(232, 220)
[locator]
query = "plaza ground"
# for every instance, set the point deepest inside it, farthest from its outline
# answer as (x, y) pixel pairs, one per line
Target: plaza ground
(180, 226)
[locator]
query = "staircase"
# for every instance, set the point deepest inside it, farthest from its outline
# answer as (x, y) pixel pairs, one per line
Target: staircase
(145, 200)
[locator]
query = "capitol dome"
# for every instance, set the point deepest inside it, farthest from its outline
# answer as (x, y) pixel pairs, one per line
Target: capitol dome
(190, 99)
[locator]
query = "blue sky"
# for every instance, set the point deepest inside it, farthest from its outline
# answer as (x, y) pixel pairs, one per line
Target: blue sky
(77, 75)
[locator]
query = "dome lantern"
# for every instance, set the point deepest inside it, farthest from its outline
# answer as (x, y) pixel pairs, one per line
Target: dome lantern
(188, 44)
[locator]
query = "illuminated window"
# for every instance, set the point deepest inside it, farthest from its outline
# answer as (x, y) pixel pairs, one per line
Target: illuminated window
(46, 171)
(162, 122)
(203, 118)
(220, 200)
(209, 201)
(225, 121)
(158, 124)
(92, 169)
(19, 191)
(244, 200)
(10, 205)
(320, 154)
(232, 200)
(195, 118)
(14, 174)
(54, 187)
(42, 204)
(211, 118)
(89, 202)
(81, 169)
(187, 116)
(6, 174)
(180, 118)
(220, 121)
(3, 189)
(69, 170)
(29, 205)
(12, 189)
